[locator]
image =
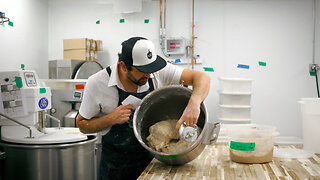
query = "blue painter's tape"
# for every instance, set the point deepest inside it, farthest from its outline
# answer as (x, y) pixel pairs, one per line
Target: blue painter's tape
(243, 66)
(177, 61)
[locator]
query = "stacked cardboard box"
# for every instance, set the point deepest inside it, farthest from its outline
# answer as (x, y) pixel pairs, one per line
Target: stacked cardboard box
(81, 49)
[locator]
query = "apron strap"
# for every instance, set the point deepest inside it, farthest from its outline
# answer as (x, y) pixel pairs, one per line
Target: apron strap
(151, 87)
(108, 70)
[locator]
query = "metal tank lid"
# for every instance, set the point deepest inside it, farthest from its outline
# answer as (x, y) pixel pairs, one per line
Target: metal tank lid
(86, 69)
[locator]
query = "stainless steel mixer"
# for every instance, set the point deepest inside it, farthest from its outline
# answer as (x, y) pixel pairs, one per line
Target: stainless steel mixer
(34, 151)
(65, 76)
(169, 103)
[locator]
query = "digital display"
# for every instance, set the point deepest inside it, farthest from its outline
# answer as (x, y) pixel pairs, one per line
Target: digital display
(175, 46)
(30, 79)
(77, 94)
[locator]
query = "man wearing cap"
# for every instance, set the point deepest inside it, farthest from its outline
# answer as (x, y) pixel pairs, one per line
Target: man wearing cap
(109, 100)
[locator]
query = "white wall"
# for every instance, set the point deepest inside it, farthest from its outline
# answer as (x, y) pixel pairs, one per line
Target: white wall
(27, 41)
(229, 32)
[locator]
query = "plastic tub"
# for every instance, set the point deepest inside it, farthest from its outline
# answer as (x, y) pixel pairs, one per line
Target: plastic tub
(310, 109)
(250, 143)
(234, 112)
(241, 99)
(234, 121)
(240, 85)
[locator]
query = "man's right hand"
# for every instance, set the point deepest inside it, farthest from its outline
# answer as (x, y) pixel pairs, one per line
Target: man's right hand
(121, 114)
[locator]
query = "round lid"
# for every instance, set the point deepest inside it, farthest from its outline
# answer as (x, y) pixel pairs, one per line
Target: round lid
(19, 134)
(86, 69)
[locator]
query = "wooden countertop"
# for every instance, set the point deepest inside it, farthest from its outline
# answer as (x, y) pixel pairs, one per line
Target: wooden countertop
(214, 163)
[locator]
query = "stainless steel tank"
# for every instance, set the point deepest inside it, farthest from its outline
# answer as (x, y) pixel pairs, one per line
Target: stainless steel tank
(51, 162)
(169, 103)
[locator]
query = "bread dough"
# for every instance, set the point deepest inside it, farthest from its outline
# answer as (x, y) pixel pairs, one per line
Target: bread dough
(165, 138)
(250, 157)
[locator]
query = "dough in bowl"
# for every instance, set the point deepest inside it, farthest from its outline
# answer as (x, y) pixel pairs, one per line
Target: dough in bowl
(165, 138)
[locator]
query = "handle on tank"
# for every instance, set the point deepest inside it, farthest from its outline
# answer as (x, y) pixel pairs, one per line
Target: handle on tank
(211, 133)
(55, 119)
(21, 124)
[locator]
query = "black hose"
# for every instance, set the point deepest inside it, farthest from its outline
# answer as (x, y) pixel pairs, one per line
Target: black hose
(317, 84)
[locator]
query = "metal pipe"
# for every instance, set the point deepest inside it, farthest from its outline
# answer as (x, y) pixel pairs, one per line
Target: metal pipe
(193, 61)
(9, 118)
(165, 13)
(317, 84)
(54, 118)
(162, 27)
(41, 121)
(314, 31)
(160, 14)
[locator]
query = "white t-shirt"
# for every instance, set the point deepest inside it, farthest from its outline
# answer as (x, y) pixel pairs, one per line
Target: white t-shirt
(101, 95)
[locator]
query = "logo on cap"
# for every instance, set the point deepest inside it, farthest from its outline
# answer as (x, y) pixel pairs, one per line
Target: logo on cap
(149, 54)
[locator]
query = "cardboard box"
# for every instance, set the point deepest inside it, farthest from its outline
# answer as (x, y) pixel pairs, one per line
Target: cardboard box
(79, 54)
(72, 44)
(99, 45)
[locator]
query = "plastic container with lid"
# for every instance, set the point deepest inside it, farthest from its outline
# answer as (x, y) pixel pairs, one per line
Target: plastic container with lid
(234, 112)
(229, 98)
(310, 110)
(251, 143)
(239, 85)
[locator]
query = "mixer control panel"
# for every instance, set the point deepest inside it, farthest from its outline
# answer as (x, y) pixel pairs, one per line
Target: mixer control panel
(30, 79)
(11, 100)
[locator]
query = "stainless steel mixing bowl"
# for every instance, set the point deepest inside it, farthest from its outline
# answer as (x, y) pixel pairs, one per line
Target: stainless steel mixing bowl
(169, 103)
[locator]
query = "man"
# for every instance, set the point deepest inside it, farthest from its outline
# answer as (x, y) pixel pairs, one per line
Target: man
(138, 72)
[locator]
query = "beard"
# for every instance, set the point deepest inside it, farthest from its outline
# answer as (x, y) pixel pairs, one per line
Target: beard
(139, 82)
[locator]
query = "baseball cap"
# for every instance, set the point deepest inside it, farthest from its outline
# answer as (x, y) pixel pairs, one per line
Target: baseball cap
(140, 53)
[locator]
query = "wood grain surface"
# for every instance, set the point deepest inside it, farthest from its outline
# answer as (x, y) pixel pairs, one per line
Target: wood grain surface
(214, 163)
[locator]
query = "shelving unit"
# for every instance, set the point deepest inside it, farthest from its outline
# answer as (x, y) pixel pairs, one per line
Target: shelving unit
(235, 100)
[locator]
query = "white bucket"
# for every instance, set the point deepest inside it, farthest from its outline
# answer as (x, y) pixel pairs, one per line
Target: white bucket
(310, 109)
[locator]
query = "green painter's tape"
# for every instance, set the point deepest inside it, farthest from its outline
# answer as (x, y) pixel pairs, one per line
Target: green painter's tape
(208, 69)
(121, 20)
(262, 63)
(18, 81)
(10, 23)
(169, 156)
(146, 21)
(312, 73)
(242, 146)
(42, 90)
(98, 22)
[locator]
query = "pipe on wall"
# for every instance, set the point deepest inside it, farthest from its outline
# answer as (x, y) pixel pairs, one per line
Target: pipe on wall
(193, 59)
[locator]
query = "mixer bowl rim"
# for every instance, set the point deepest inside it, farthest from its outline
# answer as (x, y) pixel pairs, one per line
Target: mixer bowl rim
(193, 146)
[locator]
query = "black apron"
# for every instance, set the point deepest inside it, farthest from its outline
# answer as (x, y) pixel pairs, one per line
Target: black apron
(122, 155)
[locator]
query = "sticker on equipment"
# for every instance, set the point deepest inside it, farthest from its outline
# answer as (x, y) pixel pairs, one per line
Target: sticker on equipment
(43, 103)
